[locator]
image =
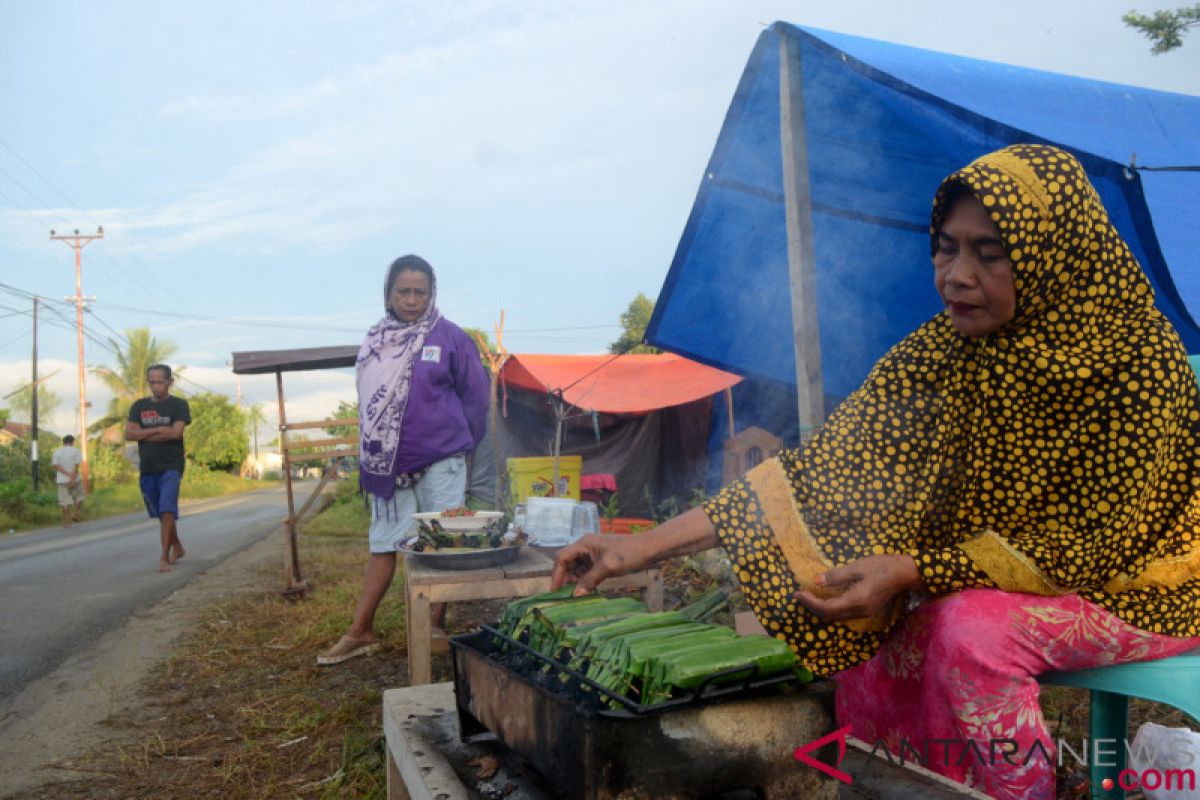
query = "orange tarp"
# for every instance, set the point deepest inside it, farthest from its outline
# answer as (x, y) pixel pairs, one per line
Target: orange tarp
(630, 384)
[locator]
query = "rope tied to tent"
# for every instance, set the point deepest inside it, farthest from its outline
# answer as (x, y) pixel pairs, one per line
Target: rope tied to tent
(1133, 166)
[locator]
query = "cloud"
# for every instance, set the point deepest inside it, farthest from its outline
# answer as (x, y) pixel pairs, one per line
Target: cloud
(437, 129)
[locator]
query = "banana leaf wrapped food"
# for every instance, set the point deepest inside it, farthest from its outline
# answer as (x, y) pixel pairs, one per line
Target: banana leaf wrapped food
(614, 653)
(550, 623)
(687, 668)
(590, 642)
(622, 674)
(517, 608)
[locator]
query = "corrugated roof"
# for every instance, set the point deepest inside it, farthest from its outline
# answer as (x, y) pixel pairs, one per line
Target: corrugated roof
(257, 362)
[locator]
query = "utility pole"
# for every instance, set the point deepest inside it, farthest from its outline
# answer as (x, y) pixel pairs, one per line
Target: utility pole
(33, 405)
(77, 242)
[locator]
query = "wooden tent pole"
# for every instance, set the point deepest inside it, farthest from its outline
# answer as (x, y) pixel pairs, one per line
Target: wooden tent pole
(559, 420)
(801, 258)
(495, 362)
(730, 428)
(295, 583)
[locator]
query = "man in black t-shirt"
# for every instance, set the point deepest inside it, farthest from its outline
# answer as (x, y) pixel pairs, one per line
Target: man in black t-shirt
(156, 423)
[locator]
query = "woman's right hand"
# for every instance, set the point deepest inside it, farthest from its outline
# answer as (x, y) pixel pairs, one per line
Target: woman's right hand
(595, 558)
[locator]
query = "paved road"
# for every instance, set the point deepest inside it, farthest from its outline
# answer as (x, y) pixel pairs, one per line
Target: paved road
(62, 589)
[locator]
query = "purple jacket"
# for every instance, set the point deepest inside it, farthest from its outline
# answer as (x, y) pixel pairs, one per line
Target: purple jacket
(448, 402)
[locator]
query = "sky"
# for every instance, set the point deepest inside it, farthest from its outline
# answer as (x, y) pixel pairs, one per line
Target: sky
(257, 165)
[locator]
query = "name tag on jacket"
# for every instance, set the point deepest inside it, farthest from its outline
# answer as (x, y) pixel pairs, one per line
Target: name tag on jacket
(432, 353)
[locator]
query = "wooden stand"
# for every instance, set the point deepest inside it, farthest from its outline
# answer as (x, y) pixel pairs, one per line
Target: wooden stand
(528, 574)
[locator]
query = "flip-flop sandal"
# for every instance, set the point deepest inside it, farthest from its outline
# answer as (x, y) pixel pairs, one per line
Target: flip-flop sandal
(345, 649)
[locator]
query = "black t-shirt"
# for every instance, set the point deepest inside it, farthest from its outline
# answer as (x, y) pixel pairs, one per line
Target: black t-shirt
(150, 413)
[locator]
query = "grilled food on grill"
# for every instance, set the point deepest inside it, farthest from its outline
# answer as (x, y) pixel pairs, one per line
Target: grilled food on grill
(633, 653)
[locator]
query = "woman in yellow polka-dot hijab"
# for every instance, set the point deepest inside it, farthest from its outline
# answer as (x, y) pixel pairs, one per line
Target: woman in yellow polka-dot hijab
(1027, 461)
(1057, 454)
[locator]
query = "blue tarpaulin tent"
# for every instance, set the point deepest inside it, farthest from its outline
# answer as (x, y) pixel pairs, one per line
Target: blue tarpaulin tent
(837, 143)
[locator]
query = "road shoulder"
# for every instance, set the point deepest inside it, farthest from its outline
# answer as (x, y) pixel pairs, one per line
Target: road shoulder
(63, 715)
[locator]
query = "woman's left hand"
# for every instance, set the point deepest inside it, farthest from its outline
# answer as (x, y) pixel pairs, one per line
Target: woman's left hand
(869, 585)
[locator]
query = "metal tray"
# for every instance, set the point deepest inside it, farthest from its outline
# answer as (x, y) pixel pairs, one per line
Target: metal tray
(472, 559)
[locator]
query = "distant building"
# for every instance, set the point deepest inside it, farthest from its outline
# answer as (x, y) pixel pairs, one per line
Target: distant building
(12, 431)
(267, 461)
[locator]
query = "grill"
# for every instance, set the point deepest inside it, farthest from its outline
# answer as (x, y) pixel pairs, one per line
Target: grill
(725, 739)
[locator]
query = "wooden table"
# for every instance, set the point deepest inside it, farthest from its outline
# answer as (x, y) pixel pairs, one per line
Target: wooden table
(528, 574)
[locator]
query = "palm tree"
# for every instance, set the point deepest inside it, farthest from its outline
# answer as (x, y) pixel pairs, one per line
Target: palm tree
(128, 381)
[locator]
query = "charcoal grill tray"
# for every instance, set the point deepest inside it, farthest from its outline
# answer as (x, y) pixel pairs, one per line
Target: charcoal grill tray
(680, 748)
(713, 689)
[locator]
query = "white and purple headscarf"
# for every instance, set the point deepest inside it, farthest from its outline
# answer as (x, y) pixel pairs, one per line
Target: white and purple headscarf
(383, 373)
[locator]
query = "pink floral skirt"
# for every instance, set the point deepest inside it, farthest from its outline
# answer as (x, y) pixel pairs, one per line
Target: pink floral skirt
(953, 687)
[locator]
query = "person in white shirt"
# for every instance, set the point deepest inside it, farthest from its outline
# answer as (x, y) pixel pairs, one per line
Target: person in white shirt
(66, 461)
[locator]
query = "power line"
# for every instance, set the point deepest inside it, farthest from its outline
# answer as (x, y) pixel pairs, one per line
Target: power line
(78, 207)
(304, 326)
(574, 328)
(338, 328)
(15, 339)
(59, 318)
(236, 320)
(186, 379)
(119, 336)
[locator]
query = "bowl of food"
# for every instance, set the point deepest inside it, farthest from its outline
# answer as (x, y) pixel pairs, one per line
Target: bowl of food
(459, 519)
(460, 539)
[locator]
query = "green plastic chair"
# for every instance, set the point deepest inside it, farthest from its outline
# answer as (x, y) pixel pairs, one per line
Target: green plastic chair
(1174, 681)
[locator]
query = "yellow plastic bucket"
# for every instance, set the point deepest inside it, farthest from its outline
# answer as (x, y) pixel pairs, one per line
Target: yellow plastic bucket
(534, 477)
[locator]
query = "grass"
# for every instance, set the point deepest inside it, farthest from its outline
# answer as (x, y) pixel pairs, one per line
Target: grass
(346, 516)
(122, 498)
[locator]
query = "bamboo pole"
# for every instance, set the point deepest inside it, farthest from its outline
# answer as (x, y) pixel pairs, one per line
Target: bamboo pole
(495, 361)
(293, 579)
(801, 259)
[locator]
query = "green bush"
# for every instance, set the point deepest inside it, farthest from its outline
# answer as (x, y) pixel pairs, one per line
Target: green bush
(108, 465)
(20, 503)
(15, 464)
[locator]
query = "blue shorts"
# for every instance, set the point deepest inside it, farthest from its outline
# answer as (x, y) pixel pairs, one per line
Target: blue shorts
(160, 492)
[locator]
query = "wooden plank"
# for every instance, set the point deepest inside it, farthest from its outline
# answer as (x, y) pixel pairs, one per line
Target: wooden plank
(343, 453)
(304, 444)
(291, 552)
(330, 473)
(418, 633)
(325, 423)
(810, 391)
(421, 770)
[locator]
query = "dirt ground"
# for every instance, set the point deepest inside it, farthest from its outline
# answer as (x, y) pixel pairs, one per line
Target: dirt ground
(69, 713)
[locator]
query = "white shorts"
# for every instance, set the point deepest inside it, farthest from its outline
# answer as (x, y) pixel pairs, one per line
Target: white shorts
(70, 494)
(443, 486)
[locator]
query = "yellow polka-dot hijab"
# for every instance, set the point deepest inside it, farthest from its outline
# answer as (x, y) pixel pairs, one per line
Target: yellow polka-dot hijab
(1058, 454)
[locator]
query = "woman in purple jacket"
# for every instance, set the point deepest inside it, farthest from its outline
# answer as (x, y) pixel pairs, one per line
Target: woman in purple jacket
(422, 407)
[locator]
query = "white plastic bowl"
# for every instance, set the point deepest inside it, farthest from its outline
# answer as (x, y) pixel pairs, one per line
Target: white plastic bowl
(477, 522)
